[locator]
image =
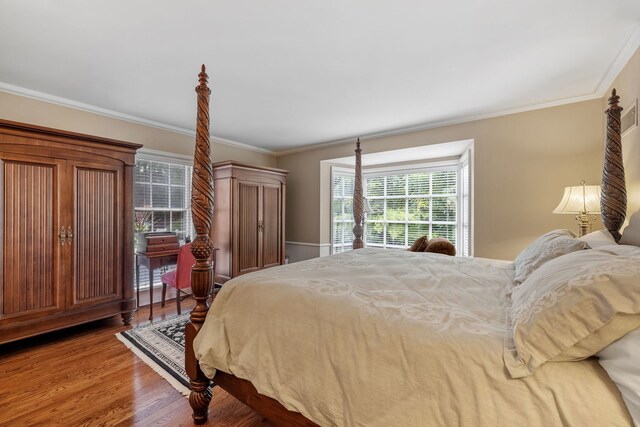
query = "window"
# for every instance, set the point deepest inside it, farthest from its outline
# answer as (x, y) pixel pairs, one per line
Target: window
(465, 205)
(409, 205)
(405, 204)
(342, 212)
(162, 195)
(162, 201)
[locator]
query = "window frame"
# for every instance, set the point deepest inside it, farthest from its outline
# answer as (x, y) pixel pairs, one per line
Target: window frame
(338, 171)
(148, 155)
(454, 165)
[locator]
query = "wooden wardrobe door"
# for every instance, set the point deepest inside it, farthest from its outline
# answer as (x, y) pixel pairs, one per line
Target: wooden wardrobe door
(31, 269)
(247, 258)
(97, 265)
(271, 229)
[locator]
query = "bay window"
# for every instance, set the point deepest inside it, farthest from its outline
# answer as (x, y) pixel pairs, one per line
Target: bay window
(406, 203)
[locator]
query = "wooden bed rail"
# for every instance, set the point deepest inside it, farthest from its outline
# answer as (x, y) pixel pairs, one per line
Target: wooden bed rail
(202, 249)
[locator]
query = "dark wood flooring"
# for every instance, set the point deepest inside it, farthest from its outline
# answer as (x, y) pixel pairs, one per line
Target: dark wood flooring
(84, 376)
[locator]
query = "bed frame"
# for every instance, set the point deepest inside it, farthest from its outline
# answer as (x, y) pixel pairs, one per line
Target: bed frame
(613, 207)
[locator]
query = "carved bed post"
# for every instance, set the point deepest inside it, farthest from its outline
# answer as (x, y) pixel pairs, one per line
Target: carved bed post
(202, 248)
(358, 202)
(613, 204)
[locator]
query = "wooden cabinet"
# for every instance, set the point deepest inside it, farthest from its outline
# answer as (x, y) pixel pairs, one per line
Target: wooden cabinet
(248, 218)
(66, 220)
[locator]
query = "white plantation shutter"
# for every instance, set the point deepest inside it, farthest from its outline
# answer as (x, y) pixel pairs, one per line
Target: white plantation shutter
(465, 205)
(341, 210)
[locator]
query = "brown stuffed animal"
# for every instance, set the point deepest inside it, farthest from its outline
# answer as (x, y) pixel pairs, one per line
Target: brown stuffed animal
(420, 244)
(438, 245)
(441, 245)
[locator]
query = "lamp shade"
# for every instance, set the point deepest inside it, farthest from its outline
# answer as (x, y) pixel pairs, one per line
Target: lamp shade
(579, 199)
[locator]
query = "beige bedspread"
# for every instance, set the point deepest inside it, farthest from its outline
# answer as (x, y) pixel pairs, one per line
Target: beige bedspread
(393, 338)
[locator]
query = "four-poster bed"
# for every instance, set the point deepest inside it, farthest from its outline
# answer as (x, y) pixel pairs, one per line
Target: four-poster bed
(333, 293)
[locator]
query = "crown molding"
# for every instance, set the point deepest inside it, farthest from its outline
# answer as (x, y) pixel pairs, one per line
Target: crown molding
(241, 145)
(622, 58)
(65, 102)
(69, 103)
(432, 125)
(632, 44)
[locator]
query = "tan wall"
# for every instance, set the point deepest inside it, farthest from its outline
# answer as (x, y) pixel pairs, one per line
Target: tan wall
(28, 110)
(522, 163)
(628, 86)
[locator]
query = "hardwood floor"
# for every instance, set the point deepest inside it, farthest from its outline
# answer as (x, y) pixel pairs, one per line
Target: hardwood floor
(83, 376)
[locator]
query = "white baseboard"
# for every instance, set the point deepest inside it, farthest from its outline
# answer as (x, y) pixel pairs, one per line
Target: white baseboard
(300, 251)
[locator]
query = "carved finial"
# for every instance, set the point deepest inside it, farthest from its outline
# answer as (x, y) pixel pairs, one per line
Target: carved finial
(203, 78)
(358, 144)
(613, 99)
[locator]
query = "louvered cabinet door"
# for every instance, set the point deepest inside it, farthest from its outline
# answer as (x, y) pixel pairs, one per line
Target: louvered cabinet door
(271, 226)
(31, 270)
(97, 265)
(247, 246)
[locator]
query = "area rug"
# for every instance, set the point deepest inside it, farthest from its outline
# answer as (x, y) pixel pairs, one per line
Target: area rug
(161, 346)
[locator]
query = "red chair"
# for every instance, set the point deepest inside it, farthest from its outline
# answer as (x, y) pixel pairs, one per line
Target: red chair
(180, 278)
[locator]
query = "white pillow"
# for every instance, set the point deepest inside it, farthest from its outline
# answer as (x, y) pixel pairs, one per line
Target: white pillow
(598, 238)
(620, 360)
(622, 250)
(545, 248)
(571, 308)
(631, 233)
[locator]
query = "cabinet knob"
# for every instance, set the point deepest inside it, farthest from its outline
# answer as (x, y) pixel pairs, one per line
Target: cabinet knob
(260, 225)
(69, 235)
(62, 236)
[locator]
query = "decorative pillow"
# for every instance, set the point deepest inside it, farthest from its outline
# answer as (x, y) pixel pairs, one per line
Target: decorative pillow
(598, 239)
(441, 245)
(545, 248)
(420, 244)
(620, 360)
(571, 308)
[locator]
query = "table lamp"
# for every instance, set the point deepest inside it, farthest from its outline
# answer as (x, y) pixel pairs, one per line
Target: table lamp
(583, 201)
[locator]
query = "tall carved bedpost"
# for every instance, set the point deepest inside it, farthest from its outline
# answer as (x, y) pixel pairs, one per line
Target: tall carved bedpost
(358, 202)
(202, 249)
(613, 204)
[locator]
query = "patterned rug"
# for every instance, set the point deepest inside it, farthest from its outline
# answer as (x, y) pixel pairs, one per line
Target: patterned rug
(161, 346)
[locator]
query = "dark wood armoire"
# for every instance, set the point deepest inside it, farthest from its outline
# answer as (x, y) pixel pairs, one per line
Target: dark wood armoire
(248, 218)
(67, 229)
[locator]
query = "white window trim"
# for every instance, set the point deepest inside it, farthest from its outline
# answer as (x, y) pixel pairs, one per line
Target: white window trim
(164, 157)
(146, 154)
(410, 168)
(467, 157)
(335, 170)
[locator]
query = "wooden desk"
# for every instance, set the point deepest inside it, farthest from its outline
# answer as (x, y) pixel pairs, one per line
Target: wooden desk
(153, 261)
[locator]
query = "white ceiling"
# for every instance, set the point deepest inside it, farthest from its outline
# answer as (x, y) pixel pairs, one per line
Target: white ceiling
(289, 73)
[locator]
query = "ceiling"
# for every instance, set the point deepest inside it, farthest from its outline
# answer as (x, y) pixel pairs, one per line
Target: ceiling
(290, 73)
